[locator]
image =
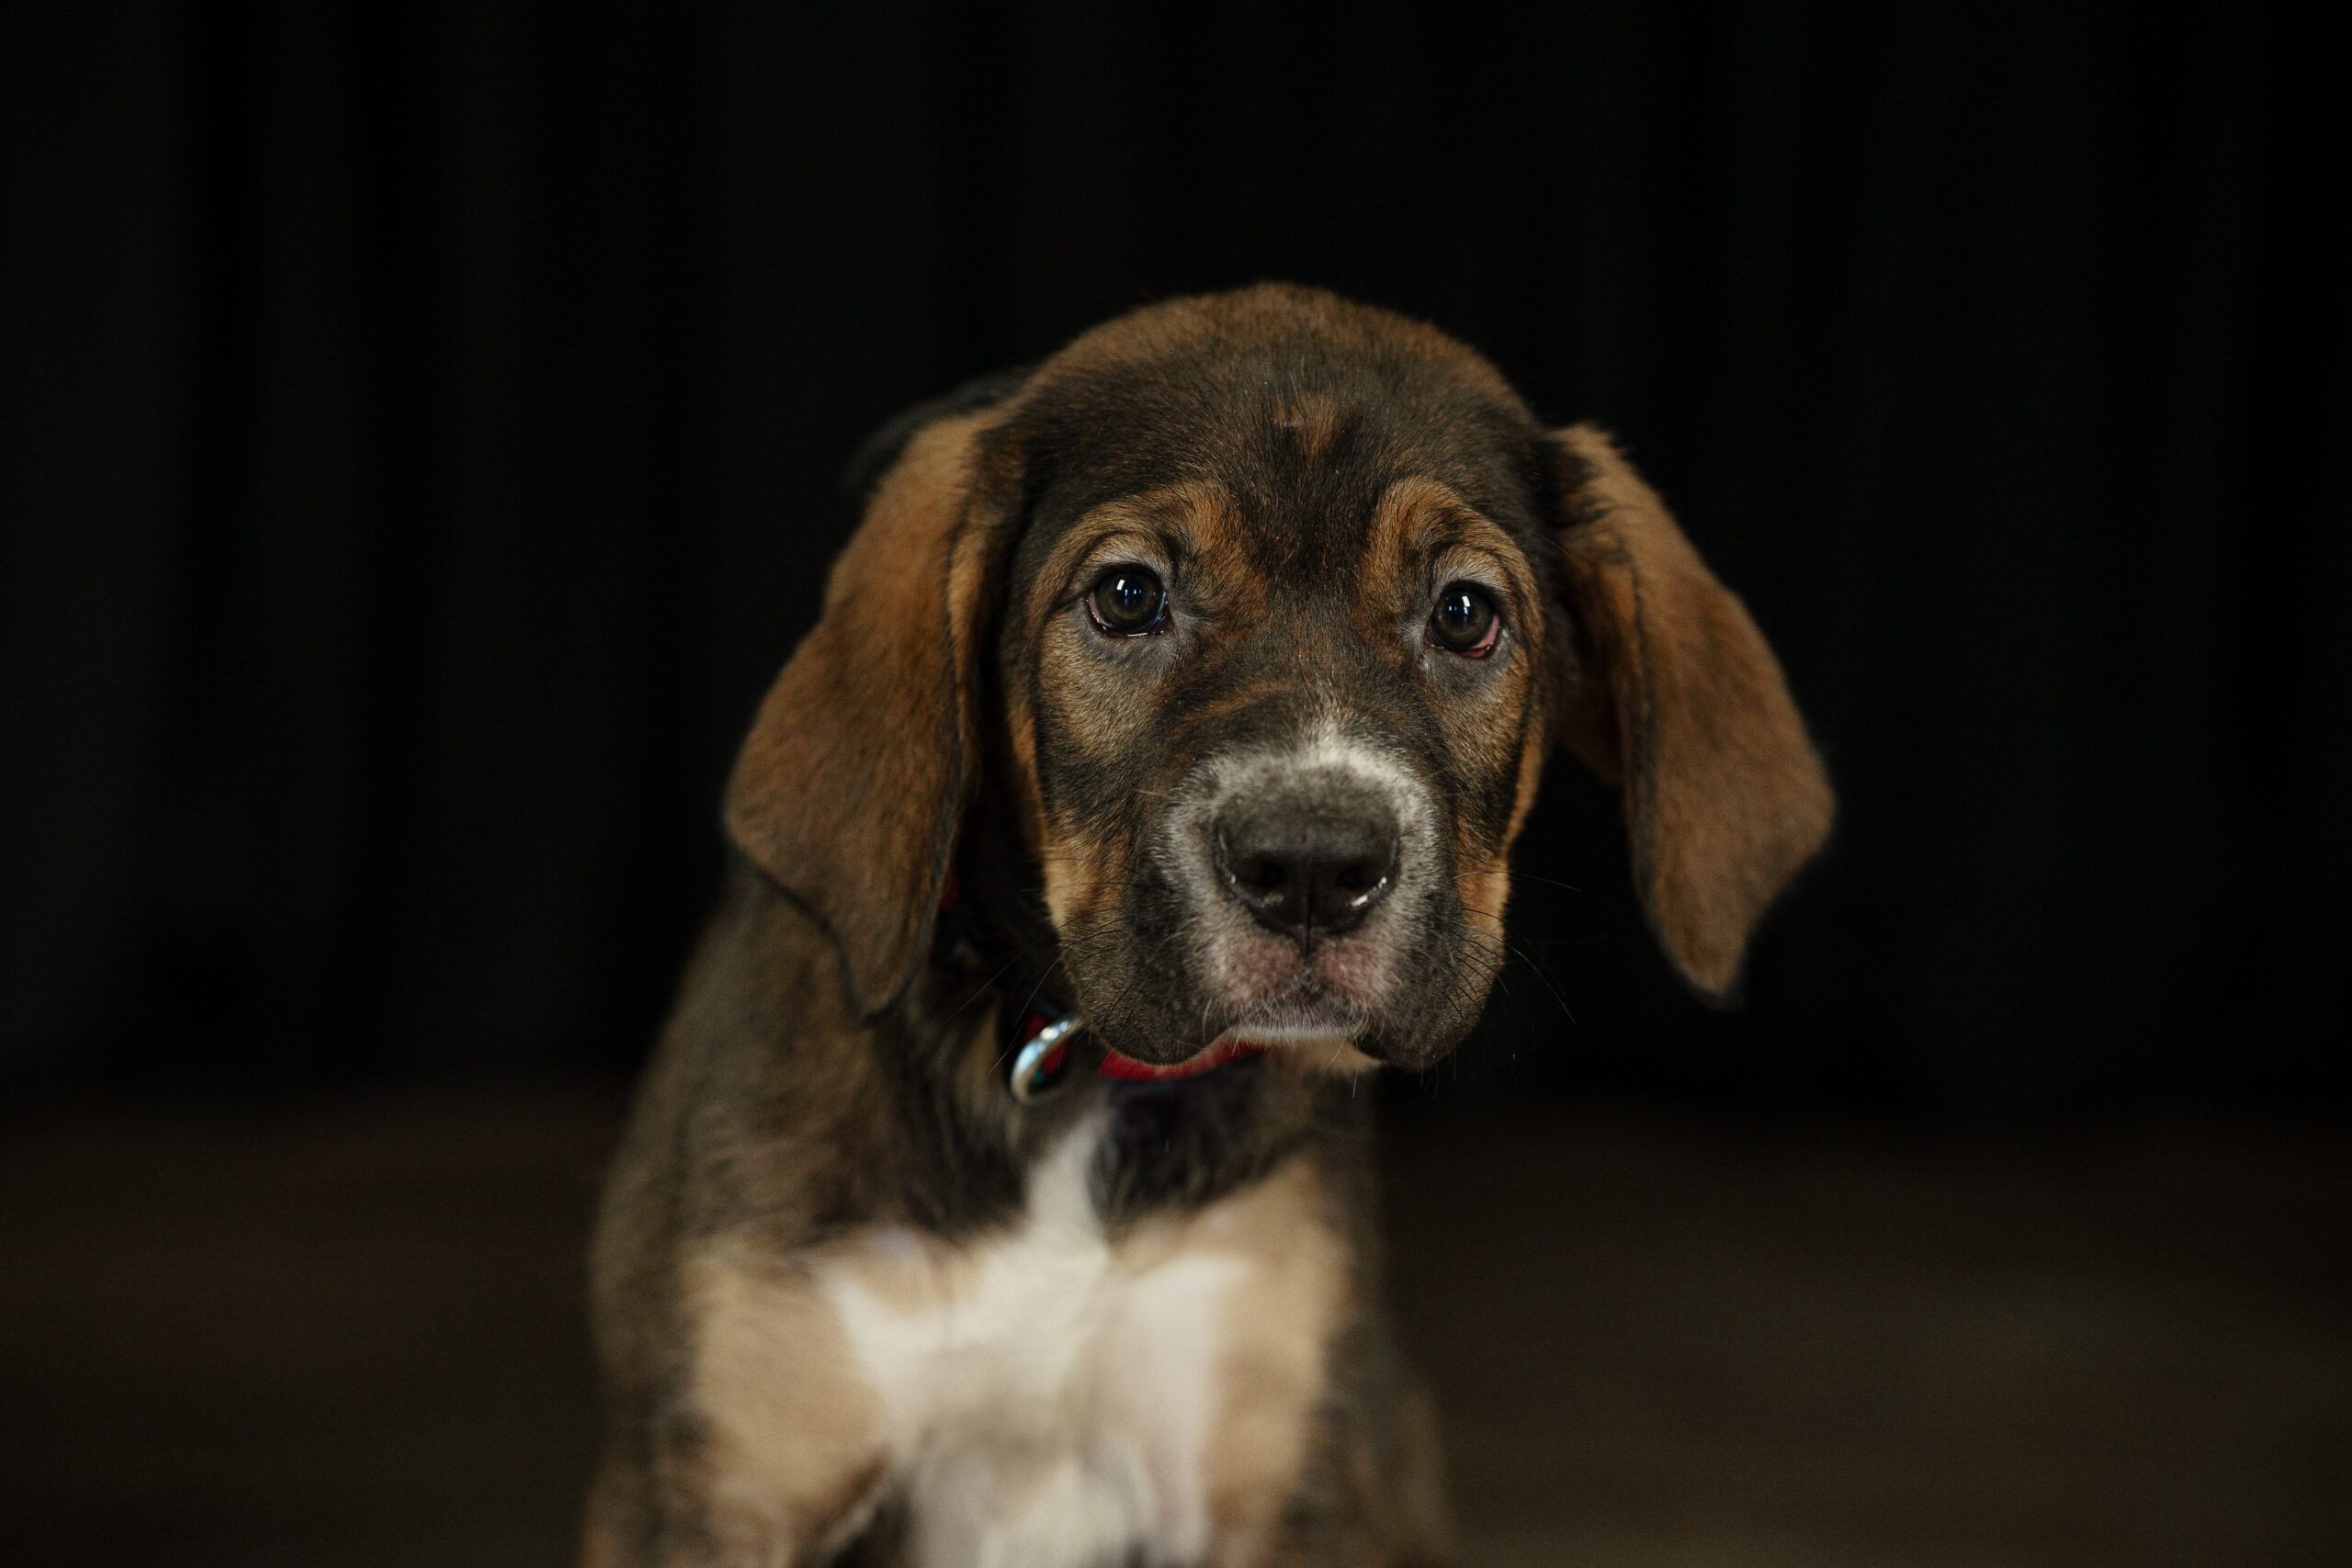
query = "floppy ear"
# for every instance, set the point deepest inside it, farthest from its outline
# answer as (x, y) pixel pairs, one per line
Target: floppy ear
(1724, 798)
(850, 786)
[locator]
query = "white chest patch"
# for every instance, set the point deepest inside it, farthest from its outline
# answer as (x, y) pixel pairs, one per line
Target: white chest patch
(1045, 1401)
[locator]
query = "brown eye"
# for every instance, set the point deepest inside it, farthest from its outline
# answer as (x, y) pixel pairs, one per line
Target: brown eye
(1465, 622)
(1128, 602)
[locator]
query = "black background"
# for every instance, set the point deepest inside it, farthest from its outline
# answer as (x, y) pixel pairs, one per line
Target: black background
(419, 429)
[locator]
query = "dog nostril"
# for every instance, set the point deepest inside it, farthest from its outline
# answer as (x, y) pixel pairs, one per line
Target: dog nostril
(1264, 874)
(1308, 872)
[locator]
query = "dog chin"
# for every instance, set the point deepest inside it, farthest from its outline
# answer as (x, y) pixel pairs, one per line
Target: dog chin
(1315, 1026)
(1319, 1048)
(1316, 1029)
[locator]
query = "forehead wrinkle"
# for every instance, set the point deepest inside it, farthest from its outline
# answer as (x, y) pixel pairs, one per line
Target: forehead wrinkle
(1300, 524)
(1311, 422)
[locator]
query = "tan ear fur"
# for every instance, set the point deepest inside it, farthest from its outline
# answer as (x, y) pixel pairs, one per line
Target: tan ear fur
(849, 787)
(1724, 798)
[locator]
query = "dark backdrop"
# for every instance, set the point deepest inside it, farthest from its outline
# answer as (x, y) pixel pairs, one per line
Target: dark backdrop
(420, 424)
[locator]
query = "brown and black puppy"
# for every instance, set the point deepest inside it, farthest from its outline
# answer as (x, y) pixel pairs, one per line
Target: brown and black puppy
(1174, 708)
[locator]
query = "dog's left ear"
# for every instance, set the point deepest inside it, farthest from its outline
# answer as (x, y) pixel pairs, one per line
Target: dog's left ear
(852, 782)
(1688, 711)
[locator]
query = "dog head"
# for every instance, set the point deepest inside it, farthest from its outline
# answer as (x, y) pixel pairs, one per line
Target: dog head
(1267, 610)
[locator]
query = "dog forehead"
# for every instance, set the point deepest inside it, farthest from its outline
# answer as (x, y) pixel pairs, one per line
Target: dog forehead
(1300, 433)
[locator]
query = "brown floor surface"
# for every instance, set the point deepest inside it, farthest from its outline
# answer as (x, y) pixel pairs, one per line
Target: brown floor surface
(349, 1334)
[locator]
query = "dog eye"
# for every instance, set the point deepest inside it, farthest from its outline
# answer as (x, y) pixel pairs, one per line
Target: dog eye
(1465, 621)
(1128, 602)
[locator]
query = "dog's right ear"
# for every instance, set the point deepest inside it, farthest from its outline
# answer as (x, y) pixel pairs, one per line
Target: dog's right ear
(852, 782)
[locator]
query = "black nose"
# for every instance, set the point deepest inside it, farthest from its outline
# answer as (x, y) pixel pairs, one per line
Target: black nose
(1310, 866)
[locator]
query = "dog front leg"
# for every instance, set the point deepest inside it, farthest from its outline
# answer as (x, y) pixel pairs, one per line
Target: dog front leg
(766, 1451)
(700, 1505)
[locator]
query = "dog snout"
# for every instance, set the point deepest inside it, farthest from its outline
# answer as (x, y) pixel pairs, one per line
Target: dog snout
(1308, 866)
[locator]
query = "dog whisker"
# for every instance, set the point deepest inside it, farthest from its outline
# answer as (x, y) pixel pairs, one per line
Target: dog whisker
(1565, 1011)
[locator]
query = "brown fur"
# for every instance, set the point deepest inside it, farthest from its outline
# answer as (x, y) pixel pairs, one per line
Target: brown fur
(852, 778)
(1304, 474)
(1724, 798)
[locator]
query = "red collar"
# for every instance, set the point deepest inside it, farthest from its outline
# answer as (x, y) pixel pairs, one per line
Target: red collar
(1126, 1069)
(1043, 1057)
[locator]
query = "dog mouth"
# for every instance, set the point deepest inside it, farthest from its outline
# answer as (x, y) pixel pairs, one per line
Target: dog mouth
(1315, 1030)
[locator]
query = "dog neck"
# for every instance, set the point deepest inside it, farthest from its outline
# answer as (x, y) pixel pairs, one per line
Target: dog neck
(1169, 1142)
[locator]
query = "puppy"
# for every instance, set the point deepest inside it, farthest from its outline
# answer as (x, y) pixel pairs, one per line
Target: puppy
(1000, 1191)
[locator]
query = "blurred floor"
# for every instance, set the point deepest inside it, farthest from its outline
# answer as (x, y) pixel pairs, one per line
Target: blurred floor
(349, 1334)
(1678, 1342)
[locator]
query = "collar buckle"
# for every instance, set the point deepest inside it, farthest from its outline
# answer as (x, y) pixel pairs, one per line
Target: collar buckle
(1042, 1064)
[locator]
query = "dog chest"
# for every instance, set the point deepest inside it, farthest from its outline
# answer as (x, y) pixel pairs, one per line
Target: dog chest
(1044, 1397)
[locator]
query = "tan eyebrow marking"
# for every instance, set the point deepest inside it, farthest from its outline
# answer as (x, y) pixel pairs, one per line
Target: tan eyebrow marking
(1195, 514)
(1422, 520)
